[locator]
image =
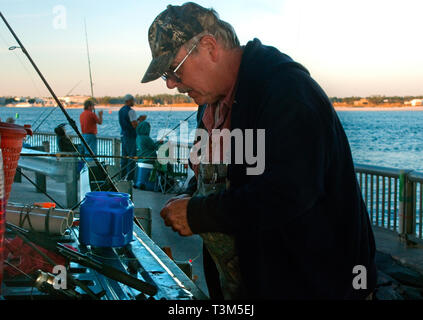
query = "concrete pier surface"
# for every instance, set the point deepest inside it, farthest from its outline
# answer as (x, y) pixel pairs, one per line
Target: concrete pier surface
(400, 267)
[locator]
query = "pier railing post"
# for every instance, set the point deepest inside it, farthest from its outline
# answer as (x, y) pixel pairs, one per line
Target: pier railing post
(116, 151)
(72, 187)
(407, 221)
(46, 146)
(401, 211)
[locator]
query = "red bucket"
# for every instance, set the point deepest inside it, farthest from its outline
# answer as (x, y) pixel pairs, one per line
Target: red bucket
(11, 136)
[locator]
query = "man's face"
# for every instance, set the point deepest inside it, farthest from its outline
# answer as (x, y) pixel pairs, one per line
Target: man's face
(196, 75)
(130, 103)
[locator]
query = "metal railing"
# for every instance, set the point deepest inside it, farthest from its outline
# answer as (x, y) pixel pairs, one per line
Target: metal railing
(112, 146)
(105, 145)
(180, 152)
(393, 198)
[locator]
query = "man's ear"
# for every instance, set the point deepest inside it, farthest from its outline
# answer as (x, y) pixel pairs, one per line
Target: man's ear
(210, 44)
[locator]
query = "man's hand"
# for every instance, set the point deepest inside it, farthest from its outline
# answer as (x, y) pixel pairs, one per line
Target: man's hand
(174, 215)
(100, 117)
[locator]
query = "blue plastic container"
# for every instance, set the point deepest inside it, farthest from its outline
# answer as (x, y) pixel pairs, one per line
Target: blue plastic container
(142, 177)
(106, 219)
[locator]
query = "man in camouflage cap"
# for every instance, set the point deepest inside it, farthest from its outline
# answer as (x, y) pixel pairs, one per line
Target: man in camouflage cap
(299, 227)
(173, 36)
(169, 32)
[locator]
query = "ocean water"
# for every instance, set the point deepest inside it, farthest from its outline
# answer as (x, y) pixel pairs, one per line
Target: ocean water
(46, 119)
(384, 138)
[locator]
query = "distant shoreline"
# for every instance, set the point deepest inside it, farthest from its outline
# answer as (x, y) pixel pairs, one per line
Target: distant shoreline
(398, 108)
(142, 108)
(117, 107)
(194, 108)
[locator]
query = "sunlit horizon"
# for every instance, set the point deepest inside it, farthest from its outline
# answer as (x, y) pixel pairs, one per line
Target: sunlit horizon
(360, 48)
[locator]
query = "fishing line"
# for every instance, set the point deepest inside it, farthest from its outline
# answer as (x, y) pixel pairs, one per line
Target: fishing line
(176, 127)
(42, 114)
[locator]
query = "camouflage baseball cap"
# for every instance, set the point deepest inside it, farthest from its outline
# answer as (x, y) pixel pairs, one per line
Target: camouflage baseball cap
(168, 32)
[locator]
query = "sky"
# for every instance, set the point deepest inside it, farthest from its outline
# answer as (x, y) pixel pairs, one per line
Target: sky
(351, 47)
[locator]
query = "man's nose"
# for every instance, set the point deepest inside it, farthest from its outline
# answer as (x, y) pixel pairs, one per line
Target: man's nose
(171, 84)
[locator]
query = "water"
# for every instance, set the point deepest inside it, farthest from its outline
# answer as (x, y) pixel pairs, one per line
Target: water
(159, 120)
(384, 138)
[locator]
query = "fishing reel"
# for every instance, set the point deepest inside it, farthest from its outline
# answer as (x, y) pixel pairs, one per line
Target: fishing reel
(47, 283)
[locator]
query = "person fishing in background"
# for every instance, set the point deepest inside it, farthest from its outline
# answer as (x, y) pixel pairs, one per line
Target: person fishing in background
(128, 123)
(89, 120)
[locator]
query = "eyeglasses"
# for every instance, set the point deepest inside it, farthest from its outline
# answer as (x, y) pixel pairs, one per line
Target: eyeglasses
(171, 74)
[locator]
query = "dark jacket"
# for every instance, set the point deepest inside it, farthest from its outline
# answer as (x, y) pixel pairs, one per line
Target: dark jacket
(64, 143)
(127, 130)
(301, 226)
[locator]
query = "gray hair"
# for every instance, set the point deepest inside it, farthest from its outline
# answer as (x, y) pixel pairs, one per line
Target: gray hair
(222, 31)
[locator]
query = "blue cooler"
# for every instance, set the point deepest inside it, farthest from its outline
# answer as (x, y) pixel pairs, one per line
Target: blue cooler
(142, 179)
(106, 219)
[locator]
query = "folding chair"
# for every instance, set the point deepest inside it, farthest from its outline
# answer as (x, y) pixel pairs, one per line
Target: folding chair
(168, 179)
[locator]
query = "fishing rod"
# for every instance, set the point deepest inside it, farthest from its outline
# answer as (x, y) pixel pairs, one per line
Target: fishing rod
(59, 103)
(89, 62)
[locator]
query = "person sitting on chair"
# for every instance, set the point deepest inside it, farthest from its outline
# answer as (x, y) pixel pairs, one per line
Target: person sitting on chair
(146, 147)
(64, 143)
(10, 120)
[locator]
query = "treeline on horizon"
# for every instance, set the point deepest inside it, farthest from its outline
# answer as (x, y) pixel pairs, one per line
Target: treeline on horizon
(376, 99)
(139, 99)
(147, 99)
